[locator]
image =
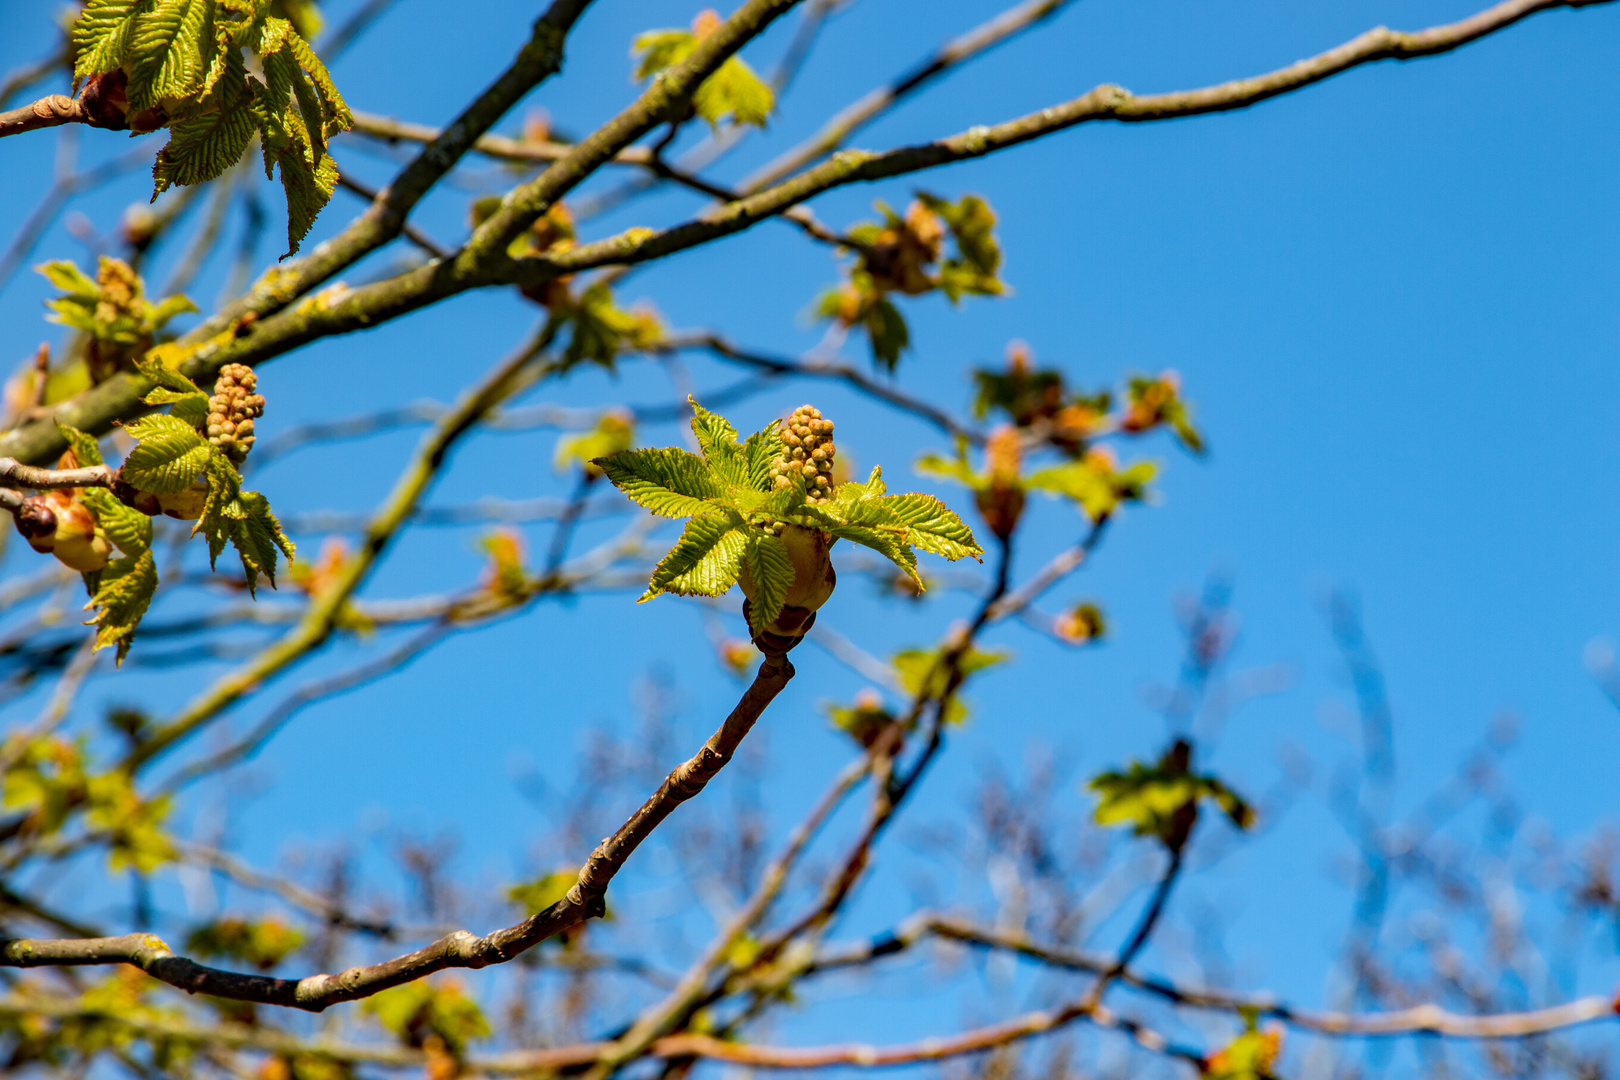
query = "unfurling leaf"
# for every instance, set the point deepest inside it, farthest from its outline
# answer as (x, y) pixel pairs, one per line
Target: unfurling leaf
(1162, 799)
(613, 433)
(926, 673)
(764, 512)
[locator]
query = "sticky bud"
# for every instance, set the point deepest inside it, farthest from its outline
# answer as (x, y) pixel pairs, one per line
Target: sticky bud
(185, 505)
(76, 543)
(37, 522)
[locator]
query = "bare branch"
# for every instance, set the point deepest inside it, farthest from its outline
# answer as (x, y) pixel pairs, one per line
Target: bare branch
(484, 261)
(585, 900)
(852, 118)
(53, 110)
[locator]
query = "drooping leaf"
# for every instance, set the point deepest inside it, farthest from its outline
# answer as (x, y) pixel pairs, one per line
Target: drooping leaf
(169, 51)
(886, 542)
(223, 507)
(705, 561)
(887, 329)
(670, 482)
(168, 454)
(125, 526)
(770, 572)
(121, 600)
(258, 537)
(205, 144)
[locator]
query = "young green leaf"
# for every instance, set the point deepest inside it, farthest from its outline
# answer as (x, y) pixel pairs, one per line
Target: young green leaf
(670, 482)
(84, 447)
(125, 526)
(769, 568)
(705, 561)
(258, 537)
(124, 593)
(168, 454)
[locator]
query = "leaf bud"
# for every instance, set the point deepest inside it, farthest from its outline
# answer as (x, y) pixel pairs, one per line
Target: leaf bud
(37, 522)
(77, 543)
(185, 505)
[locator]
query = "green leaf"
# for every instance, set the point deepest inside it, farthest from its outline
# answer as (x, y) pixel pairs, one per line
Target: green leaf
(933, 526)
(762, 448)
(887, 543)
(125, 592)
(152, 366)
(101, 36)
(1094, 483)
(660, 49)
(612, 434)
(307, 182)
(335, 111)
(705, 561)
(169, 51)
(205, 144)
(125, 526)
(852, 491)
(66, 275)
(85, 447)
(258, 537)
(734, 91)
(956, 469)
(161, 312)
(887, 329)
(718, 441)
(222, 509)
(191, 407)
(168, 455)
(670, 482)
(770, 576)
(924, 674)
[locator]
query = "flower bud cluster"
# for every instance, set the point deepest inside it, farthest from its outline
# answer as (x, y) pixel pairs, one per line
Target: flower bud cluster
(232, 410)
(807, 452)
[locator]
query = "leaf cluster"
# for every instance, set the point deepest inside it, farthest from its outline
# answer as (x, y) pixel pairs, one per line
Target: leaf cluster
(739, 520)
(111, 307)
(903, 254)
(48, 779)
(418, 1011)
(262, 944)
(734, 92)
(182, 67)
(614, 432)
(1161, 800)
(172, 462)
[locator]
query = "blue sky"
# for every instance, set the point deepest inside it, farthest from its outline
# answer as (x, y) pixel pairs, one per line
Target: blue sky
(1390, 297)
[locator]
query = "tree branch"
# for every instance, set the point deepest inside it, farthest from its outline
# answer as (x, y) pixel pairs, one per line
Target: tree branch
(53, 110)
(484, 262)
(852, 118)
(585, 900)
